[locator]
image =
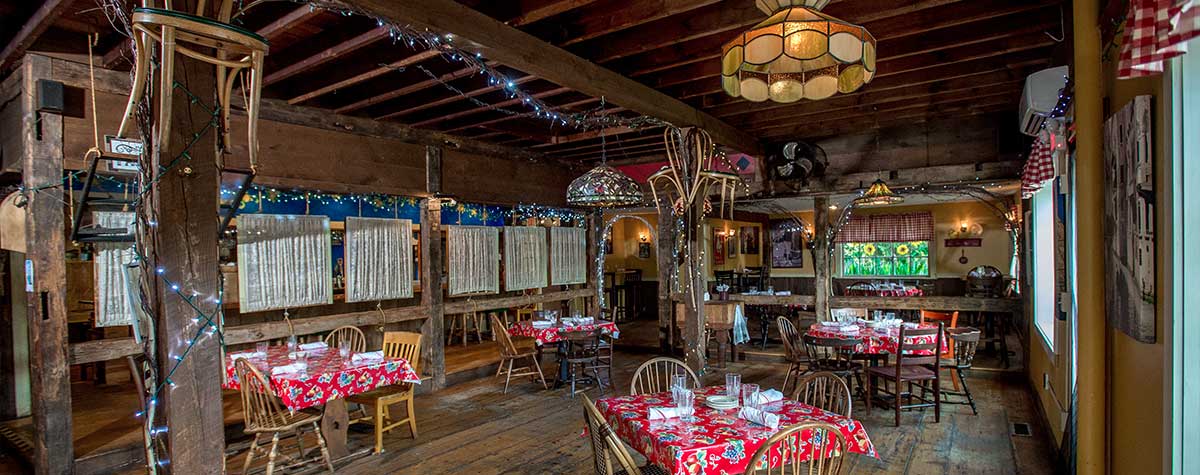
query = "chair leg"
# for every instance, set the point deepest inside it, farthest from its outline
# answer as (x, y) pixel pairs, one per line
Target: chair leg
(937, 399)
(500, 368)
(412, 417)
(954, 380)
(257, 60)
(250, 454)
(271, 456)
(324, 449)
(967, 391)
(379, 423)
(870, 392)
(896, 403)
(508, 376)
(141, 71)
(787, 377)
(541, 376)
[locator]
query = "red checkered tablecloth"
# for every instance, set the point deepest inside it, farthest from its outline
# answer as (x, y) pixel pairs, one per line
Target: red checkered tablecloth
(329, 376)
(718, 442)
(875, 342)
(553, 334)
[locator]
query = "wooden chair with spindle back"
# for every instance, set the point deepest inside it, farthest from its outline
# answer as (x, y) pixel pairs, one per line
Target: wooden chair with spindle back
(234, 49)
(825, 438)
(509, 354)
(826, 391)
(654, 376)
(791, 350)
(965, 343)
(835, 355)
(916, 362)
(349, 337)
(405, 345)
(264, 415)
(607, 447)
(950, 320)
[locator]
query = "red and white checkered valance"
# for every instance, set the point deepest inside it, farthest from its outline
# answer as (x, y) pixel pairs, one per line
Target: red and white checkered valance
(888, 228)
(1039, 169)
(1155, 31)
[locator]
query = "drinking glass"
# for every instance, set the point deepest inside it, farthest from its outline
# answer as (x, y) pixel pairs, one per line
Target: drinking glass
(685, 405)
(750, 396)
(291, 343)
(261, 347)
(344, 351)
(679, 380)
(733, 385)
(302, 362)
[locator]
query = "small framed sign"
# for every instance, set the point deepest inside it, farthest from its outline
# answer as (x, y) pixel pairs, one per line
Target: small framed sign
(964, 242)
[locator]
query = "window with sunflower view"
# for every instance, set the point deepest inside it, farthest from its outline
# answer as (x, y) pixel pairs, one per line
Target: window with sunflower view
(885, 259)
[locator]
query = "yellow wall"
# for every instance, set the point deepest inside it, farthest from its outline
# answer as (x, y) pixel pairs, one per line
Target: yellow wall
(625, 238)
(740, 261)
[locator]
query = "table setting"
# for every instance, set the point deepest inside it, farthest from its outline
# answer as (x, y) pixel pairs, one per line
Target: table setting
(880, 336)
(549, 331)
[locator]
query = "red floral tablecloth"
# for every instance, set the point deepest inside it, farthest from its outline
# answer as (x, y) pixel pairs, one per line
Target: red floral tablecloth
(553, 334)
(719, 442)
(875, 342)
(905, 292)
(329, 376)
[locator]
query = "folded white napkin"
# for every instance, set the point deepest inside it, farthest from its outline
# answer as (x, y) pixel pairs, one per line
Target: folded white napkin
(248, 354)
(783, 292)
(285, 369)
(542, 324)
(316, 345)
(769, 396)
(759, 417)
(658, 413)
(368, 356)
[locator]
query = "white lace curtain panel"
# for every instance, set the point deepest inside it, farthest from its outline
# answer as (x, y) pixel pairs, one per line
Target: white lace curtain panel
(112, 283)
(378, 259)
(474, 259)
(525, 257)
(568, 256)
(283, 261)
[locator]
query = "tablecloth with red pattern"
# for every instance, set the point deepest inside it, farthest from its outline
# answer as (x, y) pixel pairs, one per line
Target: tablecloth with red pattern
(873, 341)
(719, 442)
(553, 334)
(329, 376)
(887, 292)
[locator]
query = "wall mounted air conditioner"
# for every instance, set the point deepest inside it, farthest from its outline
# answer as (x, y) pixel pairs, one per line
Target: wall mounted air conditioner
(1040, 97)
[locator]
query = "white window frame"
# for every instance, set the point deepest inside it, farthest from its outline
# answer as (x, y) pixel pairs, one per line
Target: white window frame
(1042, 275)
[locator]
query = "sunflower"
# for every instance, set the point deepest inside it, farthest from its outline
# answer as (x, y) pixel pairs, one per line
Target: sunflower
(902, 249)
(869, 249)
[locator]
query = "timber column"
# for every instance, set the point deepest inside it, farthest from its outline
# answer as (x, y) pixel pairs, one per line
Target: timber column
(822, 281)
(433, 344)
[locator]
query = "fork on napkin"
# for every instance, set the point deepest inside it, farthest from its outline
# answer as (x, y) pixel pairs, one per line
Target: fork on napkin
(368, 356)
(762, 418)
(768, 396)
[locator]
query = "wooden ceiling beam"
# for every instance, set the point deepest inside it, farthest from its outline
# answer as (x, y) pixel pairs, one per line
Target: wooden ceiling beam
(41, 20)
(527, 53)
(507, 103)
(534, 10)
(450, 99)
(609, 143)
(883, 120)
(529, 115)
(327, 55)
(280, 26)
(366, 76)
(613, 151)
(409, 89)
(928, 103)
(620, 16)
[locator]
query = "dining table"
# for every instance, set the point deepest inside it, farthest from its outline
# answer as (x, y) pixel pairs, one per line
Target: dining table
(873, 339)
(546, 332)
(329, 379)
(716, 441)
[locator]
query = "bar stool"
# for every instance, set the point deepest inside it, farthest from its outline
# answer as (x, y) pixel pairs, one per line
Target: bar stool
(458, 325)
(180, 32)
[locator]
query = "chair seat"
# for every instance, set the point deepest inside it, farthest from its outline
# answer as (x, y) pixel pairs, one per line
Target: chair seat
(646, 470)
(907, 372)
(291, 421)
(395, 391)
(202, 20)
(836, 365)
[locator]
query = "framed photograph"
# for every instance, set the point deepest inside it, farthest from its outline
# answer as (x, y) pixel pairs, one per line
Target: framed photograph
(608, 244)
(718, 247)
(643, 250)
(787, 245)
(749, 238)
(731, 246)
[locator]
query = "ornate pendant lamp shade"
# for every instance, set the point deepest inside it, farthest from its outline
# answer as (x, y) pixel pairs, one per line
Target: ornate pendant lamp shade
(797, 53)
(604, 187)
(879, 195)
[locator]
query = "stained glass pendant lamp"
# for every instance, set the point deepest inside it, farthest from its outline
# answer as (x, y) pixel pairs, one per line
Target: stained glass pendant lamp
(797, 53)
(879, 195)
(604, 186)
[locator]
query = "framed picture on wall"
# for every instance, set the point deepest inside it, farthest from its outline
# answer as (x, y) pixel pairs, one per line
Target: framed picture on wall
(731, 246)
(749, 238)
(787, 245)
(608, 244)
(643, 250)
(718, 247)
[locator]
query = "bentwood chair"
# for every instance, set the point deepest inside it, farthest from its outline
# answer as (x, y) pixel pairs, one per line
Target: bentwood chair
(950, 320)
(791, 350)
(348, 337)
(966, 342)
(916, 363)
(509, 354)
(607, 447)
(581, 355)
(264, 415)
(405, 345)
(234, 50)
(825, 439)
(654, 376)
(826, 391)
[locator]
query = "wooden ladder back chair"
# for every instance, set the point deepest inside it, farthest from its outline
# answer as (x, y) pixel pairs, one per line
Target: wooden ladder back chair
(966, 342)
(825, 439)
(791, 349)
(509, 353)
(654, 376)
(236, 50)
(826, 391)
(607, 447)
(348, 337)
(264, 415)
(405, 345)
(916, 362)
(582, 353)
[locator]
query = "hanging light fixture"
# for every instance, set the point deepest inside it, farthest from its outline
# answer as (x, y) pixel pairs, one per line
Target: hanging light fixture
(797, 53)
(879, 195)
(604, 186)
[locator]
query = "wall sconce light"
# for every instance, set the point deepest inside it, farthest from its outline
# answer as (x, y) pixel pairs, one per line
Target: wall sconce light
(966, 228)
(642, 237)
(962, 227)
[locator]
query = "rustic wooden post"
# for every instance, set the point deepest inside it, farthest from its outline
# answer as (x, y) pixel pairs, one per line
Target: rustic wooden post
(181, 212)
(595, 237)
(45, 265)
(432, 250)
(821, 265)
(666, 270)
(8, 344)
(693, 300)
